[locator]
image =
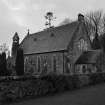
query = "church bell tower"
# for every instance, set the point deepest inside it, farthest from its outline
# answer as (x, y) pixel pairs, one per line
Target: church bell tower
(15, 44)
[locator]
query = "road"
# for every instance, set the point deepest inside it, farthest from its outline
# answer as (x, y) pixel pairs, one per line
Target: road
(94, 95)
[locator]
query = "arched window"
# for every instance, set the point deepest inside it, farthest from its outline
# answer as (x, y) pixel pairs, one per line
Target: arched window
(84, 69)
(82, 44)
(54, 64)
(38, 64)
(45, 68)
(67, 64)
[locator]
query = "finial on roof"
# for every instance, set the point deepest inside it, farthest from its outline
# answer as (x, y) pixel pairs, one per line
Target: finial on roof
(28, 32)
(16, 33)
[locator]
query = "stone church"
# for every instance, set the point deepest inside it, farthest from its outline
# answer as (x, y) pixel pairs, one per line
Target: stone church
(58, 49)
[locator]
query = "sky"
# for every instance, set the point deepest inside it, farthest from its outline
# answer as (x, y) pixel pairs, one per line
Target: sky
(21, 15)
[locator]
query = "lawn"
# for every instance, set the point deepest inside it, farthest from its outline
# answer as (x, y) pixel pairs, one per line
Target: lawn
(94, 95)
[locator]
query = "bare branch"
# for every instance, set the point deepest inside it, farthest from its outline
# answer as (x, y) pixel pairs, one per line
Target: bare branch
(94, 20)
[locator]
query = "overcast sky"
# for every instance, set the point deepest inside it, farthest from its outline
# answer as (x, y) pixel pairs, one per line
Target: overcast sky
(19, 15)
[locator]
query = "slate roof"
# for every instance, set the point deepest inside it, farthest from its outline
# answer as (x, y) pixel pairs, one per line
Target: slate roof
(54, 39)
(88, 57)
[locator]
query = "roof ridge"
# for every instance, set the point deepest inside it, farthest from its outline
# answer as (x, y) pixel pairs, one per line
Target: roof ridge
(54, 28)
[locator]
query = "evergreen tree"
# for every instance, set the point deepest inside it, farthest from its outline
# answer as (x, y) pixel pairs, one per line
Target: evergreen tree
(3, 64)
(0, 64)
(19, 62)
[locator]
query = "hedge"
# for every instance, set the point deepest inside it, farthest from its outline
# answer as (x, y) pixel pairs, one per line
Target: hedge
(48, 84)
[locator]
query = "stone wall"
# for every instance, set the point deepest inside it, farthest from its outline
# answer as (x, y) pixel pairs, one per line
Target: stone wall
(79, 43)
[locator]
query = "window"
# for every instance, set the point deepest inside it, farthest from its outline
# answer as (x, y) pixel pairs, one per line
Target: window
(26, 59)
(44, 70)
(54, 64)
(84, 69)
(38, 64)
(82, 44)
(67, 65)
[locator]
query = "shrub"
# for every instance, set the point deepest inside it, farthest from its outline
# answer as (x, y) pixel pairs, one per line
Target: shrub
(84, 80)
(51, 79)
(10, 94)
(76, 81)
(3, 65)
(48, 84)
(96, 78)
(43, 87)
(103, 77)
(60, 83)
(69, 83)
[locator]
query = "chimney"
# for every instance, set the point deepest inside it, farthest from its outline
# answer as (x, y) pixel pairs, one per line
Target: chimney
(80, 17)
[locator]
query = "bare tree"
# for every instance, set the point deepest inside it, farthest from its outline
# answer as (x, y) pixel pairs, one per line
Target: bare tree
(103, 23)
(4, 48)
(90, 27)
(94, 22)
